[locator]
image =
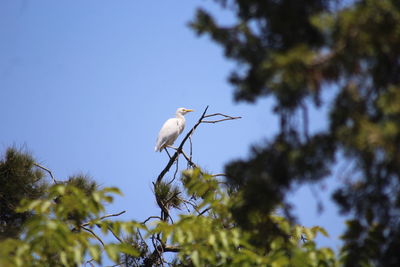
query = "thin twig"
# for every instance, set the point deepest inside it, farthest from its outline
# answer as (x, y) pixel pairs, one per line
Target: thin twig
(191, 204)
(103, 217)
(187, 208)
(167, 152)
(171, 248)
(176, 171)
(204, 211)
(228, 119)
(90, 262)
(141, 237)
(191, 148)
(190, 162)
(44, 168)
(223, 115)
(115, 235)
(151, 217)
(93, 233)
(156, 249)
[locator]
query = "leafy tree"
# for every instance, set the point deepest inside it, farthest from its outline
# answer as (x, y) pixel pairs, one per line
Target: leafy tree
(207, 237)
(52, 237)
(296, 51)
(19, 179)
(68, 226)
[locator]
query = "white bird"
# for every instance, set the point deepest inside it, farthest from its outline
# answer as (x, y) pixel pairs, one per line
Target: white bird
(171, 129)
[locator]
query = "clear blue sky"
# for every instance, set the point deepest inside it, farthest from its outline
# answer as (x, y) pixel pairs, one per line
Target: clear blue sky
(86, 85)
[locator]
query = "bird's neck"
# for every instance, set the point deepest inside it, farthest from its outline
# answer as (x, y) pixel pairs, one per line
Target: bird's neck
(180, 116)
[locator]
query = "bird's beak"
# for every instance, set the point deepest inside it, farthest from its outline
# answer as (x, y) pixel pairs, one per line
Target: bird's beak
(189, 110)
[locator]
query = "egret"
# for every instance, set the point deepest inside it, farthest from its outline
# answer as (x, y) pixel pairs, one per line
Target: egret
(171, 129)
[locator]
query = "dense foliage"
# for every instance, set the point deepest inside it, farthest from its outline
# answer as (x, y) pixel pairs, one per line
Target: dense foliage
(68, 227)
(18, 180)
(296, 52)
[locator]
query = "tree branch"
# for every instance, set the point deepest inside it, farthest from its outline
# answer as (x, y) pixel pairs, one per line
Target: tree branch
(170, 248)
(103, 217)
(176, 171)
(188, 159)
(160, 249)
(115, 235)
(44, 168)
(151, 217)
(93, 233)
(188, 135)
(204, 211)
(220, 114)
(173, 158)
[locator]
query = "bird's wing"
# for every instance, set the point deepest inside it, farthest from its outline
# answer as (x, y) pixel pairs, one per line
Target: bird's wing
(168, 133)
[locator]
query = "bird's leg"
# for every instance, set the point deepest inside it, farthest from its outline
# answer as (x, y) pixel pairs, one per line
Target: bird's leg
(167, 152)
(173, 147)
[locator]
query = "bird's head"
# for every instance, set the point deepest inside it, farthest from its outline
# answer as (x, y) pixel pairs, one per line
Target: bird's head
(183, 111)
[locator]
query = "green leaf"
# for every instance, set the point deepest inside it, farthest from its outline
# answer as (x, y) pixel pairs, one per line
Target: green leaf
(112, 252)
(95, 252)
(128, 249)
(194, 256)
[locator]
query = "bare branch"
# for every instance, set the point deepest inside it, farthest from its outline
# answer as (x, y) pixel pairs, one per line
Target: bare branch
(141, 237)
(173, 158)
(160, 249)
(188, 135)
(223, 115)
(90, 262)
(156, 249)
(189, 160)
(176, 171)
(204, 211)
(227, 117)
(171, 248)
(191, 148)
(191, 204)
(44, 168)
(220, 120)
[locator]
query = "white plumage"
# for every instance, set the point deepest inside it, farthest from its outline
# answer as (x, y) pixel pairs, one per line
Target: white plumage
(171, 129)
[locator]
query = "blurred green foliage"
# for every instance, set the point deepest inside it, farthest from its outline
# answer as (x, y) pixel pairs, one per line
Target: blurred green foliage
(67, 226)
(50, 237)
(213, 238)
(296, 51)
(19, 179)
